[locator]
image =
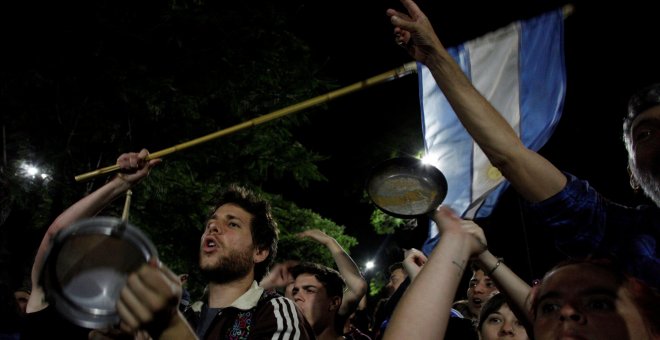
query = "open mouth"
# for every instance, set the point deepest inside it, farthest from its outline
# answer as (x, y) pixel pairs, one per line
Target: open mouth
(209, 244)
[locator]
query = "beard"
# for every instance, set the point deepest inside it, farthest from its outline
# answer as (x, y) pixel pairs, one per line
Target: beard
(649, 184)
(228, 268)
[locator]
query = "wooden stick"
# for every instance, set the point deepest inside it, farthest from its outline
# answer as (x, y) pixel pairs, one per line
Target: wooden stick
(399, 72)
(127, 205)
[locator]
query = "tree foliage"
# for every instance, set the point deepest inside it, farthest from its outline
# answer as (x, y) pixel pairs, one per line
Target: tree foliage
(89, 81)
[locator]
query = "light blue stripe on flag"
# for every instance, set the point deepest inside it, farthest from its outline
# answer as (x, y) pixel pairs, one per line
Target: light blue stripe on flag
(520, 70)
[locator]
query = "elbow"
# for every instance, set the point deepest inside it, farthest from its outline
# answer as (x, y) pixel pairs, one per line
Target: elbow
(361, 289)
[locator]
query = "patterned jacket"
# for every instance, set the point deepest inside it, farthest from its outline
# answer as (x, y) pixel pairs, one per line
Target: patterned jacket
(257, 314)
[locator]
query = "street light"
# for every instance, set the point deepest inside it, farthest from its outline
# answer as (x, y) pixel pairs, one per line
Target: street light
(370, 264)
(30, 171)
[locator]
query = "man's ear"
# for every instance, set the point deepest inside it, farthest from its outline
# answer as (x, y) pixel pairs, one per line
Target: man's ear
(634, 184)
(260, 254)
(335, 303)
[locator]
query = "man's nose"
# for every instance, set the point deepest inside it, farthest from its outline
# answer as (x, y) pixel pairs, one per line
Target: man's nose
(296, 296)
(214, 227)
(569, 313)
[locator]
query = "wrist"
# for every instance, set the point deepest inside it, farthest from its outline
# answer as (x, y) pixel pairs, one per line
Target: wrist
(122, 178)
(118, 185)
(492, 270)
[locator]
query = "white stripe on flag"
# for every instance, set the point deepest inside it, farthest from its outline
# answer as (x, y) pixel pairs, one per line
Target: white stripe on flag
(520, 70)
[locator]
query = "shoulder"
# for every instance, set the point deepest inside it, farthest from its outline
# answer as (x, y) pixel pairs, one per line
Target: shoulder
(276, 306)
(277, 316)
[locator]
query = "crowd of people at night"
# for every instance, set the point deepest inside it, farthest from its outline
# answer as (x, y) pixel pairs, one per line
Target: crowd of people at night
(607, 288)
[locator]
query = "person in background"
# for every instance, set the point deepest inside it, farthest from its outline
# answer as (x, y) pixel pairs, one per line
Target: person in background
(356, 285)
(280, 277)
(22, 296)
(397, 276)
(398, 282)
(584, 222)
(480, 289)
(497, 321)
(317, 290)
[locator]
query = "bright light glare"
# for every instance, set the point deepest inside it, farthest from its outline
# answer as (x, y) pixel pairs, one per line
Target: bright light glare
(369, 264)
(31, 171)
(427, 159)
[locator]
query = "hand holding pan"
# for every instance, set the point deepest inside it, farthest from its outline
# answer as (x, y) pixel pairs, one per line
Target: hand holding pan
(404, 187)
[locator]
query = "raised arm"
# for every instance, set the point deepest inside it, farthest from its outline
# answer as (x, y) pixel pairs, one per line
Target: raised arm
(355, 283)
(424, 310)
(135, 168)
(533, 176)
(516, 290)
(413, 262)
(279, 277)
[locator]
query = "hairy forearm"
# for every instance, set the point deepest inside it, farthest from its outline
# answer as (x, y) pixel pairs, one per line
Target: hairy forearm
(531, 174)
(423, 312)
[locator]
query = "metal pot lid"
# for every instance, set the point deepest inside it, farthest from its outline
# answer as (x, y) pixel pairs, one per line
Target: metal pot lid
(87, 265)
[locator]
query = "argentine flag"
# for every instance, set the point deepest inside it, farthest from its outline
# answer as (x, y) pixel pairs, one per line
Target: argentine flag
(520, 70)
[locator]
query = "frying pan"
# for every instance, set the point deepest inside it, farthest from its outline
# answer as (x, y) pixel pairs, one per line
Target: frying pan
(87, 265)
(404, 187)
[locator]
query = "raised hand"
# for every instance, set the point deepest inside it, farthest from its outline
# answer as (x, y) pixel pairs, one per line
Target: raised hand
(279, 275)
(414, 32)
(413, 262)
(449, 222)
(317, 235)
(135, 166)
